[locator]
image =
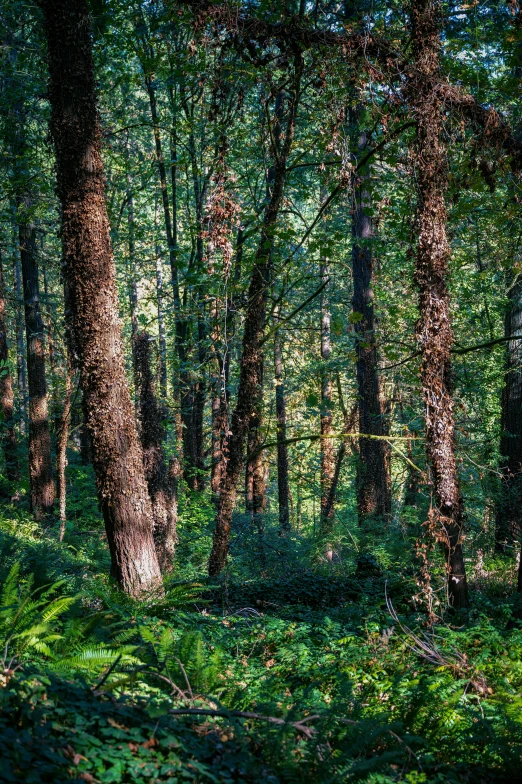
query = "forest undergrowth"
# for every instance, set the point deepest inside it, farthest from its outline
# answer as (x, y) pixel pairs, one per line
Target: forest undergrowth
(300, 670)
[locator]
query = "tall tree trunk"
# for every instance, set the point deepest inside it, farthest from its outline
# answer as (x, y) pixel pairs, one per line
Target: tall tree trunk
(508, 518)
(6, 392)
(283, 487)
(161, 489)
(90, 279)
(256, 468)
(42, 488)
(190, 393)
(21, 368)
(373, 478)
(61, 450)
(434, 332)
(327, 444)
(220, 400)
(249, 379)
(162, 338)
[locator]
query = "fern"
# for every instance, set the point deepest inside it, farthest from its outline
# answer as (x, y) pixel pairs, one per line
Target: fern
(28, 618)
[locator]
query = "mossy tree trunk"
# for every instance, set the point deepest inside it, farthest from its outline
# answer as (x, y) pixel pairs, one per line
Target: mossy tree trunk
(434, 332)
(90, 279)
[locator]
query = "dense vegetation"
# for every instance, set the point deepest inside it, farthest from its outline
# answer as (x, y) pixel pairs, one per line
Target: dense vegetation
(260, 391)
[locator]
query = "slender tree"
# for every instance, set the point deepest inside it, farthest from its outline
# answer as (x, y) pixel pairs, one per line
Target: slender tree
(249, 380)
(434, 332)
(43, 492)
(6, 392)
(92, 298)
(283, 486)
(508, 519)
(373, 479)
(161, 490)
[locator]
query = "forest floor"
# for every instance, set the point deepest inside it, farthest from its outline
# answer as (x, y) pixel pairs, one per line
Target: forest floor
(344, 678)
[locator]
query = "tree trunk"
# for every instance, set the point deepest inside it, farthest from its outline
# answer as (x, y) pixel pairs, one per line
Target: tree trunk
(508, 518)
(283, 488)
(373, 478)
(249, 378)
(61, 450)
(90, 279)
(434, 332)
(6, 393)
(21, 369)
(190, 392)
(327, 444)
(161, 491)
(42, 488)
(162, 338)
(256, 468)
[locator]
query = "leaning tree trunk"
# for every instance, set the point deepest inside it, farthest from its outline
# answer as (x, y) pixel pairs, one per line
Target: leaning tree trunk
(161, 491)
(434, 332)
(373, 476)
(6, 393)
(43, 493)
(508, 518)
(90, 279)
(249, 378)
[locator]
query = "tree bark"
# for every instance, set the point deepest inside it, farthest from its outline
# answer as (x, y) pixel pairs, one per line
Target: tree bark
(373, 477)
(161, 490)
(42, 489)
(90, 279)
(249, 379)
(434, 332)
(508, 517)
(6, 393)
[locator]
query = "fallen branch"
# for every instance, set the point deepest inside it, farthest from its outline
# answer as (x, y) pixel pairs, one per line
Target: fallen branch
(299, 726)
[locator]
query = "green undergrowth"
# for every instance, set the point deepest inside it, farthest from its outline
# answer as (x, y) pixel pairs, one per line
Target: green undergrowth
(344, 678)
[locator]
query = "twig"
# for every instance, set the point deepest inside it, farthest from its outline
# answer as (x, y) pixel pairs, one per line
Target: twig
(106, 675)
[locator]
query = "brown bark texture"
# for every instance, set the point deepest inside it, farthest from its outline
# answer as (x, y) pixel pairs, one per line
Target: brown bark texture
(249, 378)
(508, 517)
(6, 393)
(42, 489)
(89, 275)
(434, 332)
(161, 490)
(373, 475)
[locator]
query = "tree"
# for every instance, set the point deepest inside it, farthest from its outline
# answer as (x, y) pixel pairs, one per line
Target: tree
(43, 492)
(92, 300)
(434, 332)
(6, 392)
